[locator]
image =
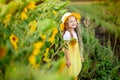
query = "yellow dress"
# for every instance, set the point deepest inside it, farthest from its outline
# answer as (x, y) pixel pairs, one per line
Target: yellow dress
(75, 59)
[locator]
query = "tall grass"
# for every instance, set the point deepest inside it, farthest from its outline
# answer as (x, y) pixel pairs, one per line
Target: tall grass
(100, 62)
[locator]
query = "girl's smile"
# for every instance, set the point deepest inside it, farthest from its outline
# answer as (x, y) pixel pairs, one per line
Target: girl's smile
(72, 22)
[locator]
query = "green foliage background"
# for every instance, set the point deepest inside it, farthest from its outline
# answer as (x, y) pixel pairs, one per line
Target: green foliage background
(100, 61)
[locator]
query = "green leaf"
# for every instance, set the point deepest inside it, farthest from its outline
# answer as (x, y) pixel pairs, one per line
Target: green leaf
(52, 51)
(8, 9)
(38, 59)
(61, 5)
(46, 25)
(5, 30)
(61, 53)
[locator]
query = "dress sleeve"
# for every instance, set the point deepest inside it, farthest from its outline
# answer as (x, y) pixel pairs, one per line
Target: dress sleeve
(66, 36)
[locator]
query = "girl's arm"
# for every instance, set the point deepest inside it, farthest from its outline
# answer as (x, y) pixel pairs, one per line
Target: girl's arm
(67, 56)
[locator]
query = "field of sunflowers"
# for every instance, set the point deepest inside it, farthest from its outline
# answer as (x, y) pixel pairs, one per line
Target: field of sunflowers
(29, 39)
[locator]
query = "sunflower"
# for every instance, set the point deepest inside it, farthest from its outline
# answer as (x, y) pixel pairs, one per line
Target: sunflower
(62, 27)
(14, 41)
(32, 60)
(52, 38)
(23, 15)
(33, 25)
(43, 37)
(31, 5)
(32, 57)
(72, 42)
(7, 19)
(38, 45)
(25, 9)
(35, 52)
(2, 51)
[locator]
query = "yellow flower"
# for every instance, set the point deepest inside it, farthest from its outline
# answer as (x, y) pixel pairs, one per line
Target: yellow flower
(38, 45)
(32, 60)
(62, 27)
(54, 12)
(33, 28)
(35, 52)
(55, 31)
(43, 37)
(45, 54)
(52, 38)
(25, 9)
(72, 42)
(2, 51)
(31, 5)
(14, 41)
(33, 25)
(7, 19)
(23, 15)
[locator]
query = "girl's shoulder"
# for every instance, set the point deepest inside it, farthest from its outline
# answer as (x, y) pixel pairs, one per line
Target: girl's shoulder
(66, 35)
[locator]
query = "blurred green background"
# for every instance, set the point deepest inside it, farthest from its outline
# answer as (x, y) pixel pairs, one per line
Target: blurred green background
(31, 40)
(101, 37)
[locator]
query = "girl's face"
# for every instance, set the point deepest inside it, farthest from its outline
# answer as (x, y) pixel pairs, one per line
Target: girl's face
(72, 22)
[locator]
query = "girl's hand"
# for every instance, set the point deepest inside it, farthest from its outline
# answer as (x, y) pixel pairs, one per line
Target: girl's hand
(82, 59)
(68, 63)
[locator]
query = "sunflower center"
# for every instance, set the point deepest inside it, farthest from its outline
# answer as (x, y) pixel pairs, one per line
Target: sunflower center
(14, 39)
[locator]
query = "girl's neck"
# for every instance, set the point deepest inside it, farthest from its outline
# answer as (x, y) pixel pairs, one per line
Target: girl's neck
(71, 30)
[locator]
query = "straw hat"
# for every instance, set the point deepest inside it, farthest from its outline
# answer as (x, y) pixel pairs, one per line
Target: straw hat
(65, 17)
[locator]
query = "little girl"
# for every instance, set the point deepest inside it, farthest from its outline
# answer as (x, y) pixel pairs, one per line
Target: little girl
(72, 57)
